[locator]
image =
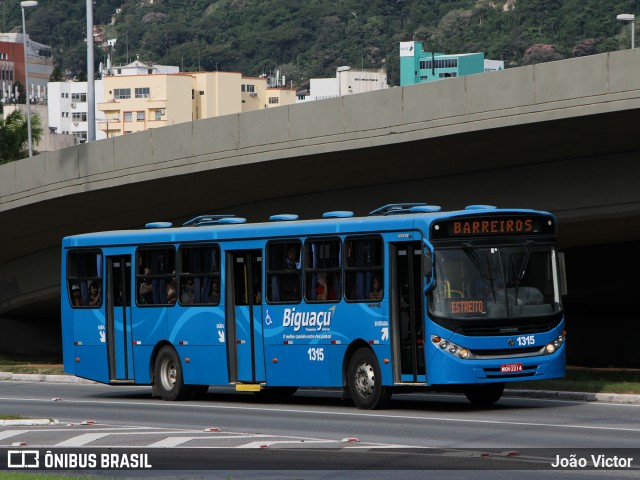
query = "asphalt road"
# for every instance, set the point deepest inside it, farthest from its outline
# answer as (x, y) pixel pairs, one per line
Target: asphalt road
(516, 433)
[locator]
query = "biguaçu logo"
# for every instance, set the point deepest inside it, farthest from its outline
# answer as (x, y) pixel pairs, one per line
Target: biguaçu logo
(309, 320)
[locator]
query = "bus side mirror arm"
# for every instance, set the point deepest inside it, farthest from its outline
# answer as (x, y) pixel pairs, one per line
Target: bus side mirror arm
(427, 268)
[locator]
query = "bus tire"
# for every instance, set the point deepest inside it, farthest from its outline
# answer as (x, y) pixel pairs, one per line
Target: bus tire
(365, 381)
(484, 395)
(168, 377)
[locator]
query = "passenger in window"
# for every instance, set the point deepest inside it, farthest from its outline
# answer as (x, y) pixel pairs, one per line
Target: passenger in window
(188, 296)
(146, 288)
(76, 296)
(291, 259)
(376, 289)
(94, 294)
(322, 289)
(172, 290)
(215, 291)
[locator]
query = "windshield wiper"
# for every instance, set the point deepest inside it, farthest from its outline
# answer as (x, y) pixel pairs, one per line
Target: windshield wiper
(522, 268)
(486, 274)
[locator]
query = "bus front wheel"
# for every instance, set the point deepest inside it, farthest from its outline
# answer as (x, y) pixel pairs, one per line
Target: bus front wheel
(484, 395)
(168, 378)
(365, 381)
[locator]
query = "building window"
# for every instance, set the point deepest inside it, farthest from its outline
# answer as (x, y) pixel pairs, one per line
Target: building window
(79, 97)
(143, 92)
(140, 116)
(80, 137)
(128, 116)
(79, 116)
(121, 93)
(243, 88)
(445, 63)
(158, 114)
(251, 88)
(273, 100)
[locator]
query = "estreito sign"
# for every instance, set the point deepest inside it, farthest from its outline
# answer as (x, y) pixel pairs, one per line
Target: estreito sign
(458, 306)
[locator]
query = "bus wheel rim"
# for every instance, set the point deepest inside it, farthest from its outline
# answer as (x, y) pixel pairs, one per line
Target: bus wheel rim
(365, 380)
(169, 375)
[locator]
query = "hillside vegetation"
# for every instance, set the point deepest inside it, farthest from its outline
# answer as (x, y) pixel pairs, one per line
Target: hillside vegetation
(310, 38)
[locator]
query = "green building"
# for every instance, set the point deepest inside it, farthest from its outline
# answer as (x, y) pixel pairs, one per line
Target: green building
(418, 66)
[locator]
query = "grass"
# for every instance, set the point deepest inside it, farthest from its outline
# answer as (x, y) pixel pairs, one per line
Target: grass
(46, 365)
(592, 380)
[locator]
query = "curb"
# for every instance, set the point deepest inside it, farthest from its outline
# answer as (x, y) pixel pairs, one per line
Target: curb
(29, 422)
(549, 394)
(36, 377)
(576, 396)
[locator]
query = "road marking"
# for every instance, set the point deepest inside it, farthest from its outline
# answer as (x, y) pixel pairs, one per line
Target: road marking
(169, 405)
(81, 440)
(171, 442)
(12, 433)
(269, 443)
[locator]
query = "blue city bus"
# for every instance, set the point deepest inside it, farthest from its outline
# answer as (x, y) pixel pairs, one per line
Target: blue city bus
(407, 298)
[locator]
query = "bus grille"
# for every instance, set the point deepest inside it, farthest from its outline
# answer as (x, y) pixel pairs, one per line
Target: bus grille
(520, 329)
(508, 352)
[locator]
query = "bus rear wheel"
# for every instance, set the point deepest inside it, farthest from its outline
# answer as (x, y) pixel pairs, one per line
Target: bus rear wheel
(484, 395)
(168, 378)
(365, 381)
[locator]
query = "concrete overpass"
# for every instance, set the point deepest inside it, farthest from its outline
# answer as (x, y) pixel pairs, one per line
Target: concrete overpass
(557, 136)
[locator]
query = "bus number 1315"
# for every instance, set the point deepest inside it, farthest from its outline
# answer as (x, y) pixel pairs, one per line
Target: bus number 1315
(316, 354)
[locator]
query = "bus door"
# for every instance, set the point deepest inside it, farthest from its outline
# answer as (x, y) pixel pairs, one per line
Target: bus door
(407, 320)
(244, 316)
(118, 305)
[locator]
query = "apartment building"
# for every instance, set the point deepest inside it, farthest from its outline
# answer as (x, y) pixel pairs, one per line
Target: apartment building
(68, 108)
(135, 103)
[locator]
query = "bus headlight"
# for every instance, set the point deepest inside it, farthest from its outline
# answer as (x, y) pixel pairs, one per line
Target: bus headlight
(555, 345)
(452, 348)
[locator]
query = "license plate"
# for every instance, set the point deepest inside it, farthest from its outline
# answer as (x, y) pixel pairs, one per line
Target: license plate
(510, 367)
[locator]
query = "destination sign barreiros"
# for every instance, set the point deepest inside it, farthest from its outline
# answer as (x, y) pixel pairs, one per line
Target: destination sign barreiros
(493, 226)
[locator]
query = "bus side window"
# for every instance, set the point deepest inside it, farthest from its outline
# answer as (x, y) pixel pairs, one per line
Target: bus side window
(84, 269)
(322, 270)
(199, 275)
(283, 272)
(155, 276)
(363, 265)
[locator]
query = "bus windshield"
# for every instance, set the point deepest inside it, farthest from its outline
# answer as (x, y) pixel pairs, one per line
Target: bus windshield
(495, 282)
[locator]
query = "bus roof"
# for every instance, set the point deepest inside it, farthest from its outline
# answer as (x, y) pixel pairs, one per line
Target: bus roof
(283, 225)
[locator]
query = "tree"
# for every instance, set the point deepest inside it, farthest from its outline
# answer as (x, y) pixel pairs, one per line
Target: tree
(14, 135)
(56, 75)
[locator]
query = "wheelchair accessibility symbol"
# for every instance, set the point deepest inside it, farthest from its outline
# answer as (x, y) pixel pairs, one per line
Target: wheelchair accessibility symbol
(267, 319)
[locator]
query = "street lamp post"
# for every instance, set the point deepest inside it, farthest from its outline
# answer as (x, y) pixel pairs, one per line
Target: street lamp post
(23, 5)
(91, 98)
(627, 17)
